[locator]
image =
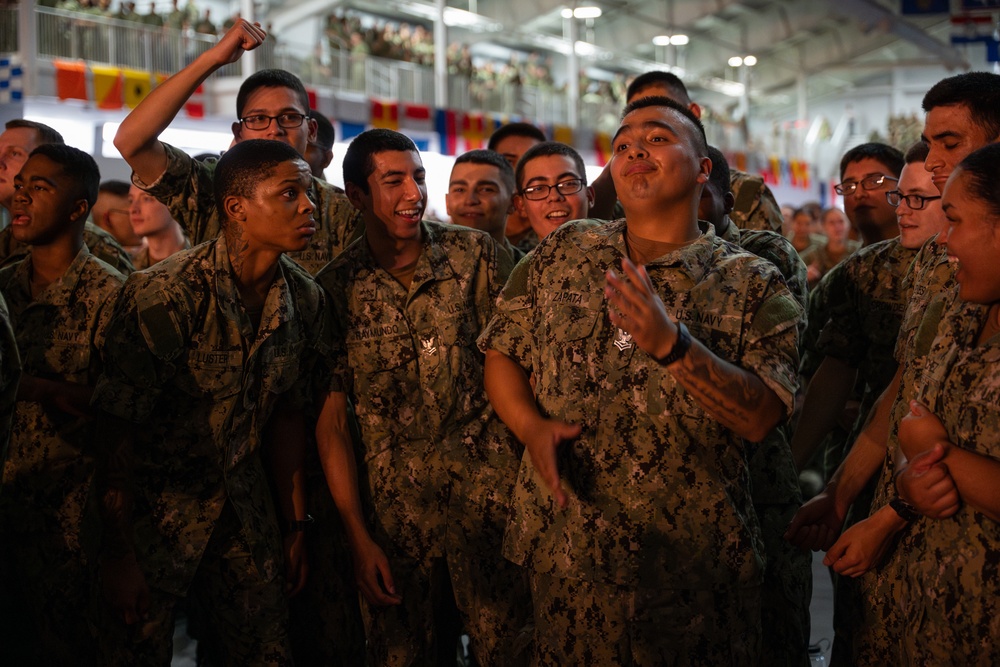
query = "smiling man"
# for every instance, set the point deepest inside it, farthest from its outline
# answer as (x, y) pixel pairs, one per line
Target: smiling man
(552, 187)
(480, 194)
(656, 349)
(208, 361)
(436, 466)
(271, 104)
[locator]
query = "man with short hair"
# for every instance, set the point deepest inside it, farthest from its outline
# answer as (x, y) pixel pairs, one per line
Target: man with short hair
(787, 588)
(152, 222)
(632, 508)
(60, 299)
(511, 141)
(208, 359)
(552, 187)
(16, 142)
(436, 467)
(480, 195)
(319, 153)
(271, 104)
(110, 213)
(754, 207)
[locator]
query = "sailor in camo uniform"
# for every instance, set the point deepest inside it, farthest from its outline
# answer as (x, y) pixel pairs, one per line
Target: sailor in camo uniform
(203, 372)
(787, 587)
(654, 556)
(47, 475)
(436, 466)
(10, 372)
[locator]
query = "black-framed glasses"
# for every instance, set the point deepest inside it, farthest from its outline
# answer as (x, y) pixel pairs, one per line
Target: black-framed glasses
(263, 121)
(539, 192)
(873, 182)
(915, 202)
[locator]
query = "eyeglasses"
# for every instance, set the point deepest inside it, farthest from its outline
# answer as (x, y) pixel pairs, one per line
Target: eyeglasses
(262, 122)
(539, 192)
(915, 202)
(873, 182)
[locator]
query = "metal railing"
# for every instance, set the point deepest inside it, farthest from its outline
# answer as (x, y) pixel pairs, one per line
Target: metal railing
(129, 44)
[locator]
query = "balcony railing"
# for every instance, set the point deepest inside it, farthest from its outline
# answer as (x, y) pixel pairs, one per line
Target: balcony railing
(129, 44)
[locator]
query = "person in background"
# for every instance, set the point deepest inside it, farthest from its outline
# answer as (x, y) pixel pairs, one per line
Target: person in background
(151, 221)
(819, 259)
(111, 213)
(552, 187)
(319, 153)
(511, 141)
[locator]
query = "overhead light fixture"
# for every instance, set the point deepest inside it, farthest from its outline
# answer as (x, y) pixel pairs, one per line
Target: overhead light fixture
(582, 13)
(750, 61)
(661, 40)
(679, 40)
(735, 61)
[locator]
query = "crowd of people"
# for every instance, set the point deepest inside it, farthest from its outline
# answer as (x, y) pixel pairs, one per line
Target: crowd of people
(568, 424)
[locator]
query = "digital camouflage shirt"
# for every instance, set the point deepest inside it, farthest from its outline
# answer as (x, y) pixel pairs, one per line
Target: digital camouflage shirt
(755, 207)
(10, 373)
(659, 493)
(102, 245)
(432, 455)
(184, 363)
(141, 260)
(186, 187)
(59, 333)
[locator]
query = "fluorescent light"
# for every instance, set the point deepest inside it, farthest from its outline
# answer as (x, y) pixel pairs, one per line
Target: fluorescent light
(567, 13)
(750, 61)
(735, 61)
(587, 12)
(661, 40)
(679, 40)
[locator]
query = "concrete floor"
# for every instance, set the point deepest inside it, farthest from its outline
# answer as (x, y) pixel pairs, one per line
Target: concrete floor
(821, 608)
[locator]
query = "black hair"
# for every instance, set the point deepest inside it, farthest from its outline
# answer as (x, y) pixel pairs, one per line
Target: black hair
(549, 148)
(720, 170)
(890, 158)
(325, 134)
(644, 102)
(358, 163)
(979, 92)
(981, 169)
(918, 152)
(514, 130)
(46, 134)
(114, 187)
(77, 164)
(241, 169)
(271, 78)
(492, 158)
(657, 78)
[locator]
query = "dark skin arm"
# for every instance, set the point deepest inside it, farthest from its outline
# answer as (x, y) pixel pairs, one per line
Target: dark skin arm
(736, 398)
(122, 581)
(336, 452)
(70, 397)
(822, 406)
(285, 451)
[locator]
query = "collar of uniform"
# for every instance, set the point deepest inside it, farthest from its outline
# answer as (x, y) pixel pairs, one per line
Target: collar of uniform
(693, 258)
(278, 306)
(61, 291)
(732, 233)
(432, 264)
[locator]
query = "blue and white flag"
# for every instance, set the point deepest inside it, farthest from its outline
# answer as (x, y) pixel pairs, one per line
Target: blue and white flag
(10, 80)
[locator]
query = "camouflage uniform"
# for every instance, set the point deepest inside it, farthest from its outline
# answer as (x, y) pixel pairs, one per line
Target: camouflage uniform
(527, 242)
(755, 206)
(102, 245)
(929, 278)
(820, 256)
(10, 372)
(184, 361)
(436, 467)
(186, 188)
(787, 587)
(48, 472)
(863, 325)
(141, 259)
(949, 593)
(660, 517)
(507, 257)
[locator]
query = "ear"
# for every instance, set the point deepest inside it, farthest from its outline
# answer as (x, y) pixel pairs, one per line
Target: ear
(80, 210)
(356, 196)
(517, 203)
(235, 208)
(706, 170)
(728, 202)
(695, 109)
(591, 197)
(327, 158)
(237, 127)
(313, 128)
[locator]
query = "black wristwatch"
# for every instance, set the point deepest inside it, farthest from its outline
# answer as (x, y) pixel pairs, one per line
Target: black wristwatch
(299, 525)
(681, 346)
(905, 510)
